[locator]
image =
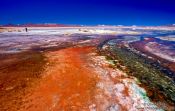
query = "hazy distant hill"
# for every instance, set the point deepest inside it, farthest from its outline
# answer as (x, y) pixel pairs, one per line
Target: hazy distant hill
(37, 25)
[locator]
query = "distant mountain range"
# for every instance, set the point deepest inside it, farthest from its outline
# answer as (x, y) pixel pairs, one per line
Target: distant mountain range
(38, 25)
(61, 25)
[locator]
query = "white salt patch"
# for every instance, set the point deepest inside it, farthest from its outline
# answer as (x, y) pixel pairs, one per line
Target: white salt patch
(92, 107)
(113, 74)
(119, 87)
(114, 107)
(114, 92)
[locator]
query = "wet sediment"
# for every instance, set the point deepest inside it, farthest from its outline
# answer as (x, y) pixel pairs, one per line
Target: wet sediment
(18, 74)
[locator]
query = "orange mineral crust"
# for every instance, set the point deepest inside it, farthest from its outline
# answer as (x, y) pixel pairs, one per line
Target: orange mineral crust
(67, 83)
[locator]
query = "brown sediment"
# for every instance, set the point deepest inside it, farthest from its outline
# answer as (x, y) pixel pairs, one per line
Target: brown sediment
(2, 29)
(18, 73)
(11, 29)
(67, 84)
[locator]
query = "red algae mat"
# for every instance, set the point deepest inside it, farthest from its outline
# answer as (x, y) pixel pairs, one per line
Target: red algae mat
(78, 79)
(66, 85)
(73, 79)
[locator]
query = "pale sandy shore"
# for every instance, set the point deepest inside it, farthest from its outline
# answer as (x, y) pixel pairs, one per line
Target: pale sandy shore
(21, 29)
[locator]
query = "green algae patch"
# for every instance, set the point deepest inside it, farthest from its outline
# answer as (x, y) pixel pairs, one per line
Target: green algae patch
(159, 87)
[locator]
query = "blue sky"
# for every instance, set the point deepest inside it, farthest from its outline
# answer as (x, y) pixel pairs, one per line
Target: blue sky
(88, 12)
